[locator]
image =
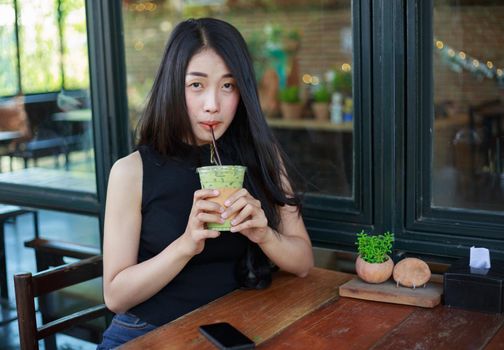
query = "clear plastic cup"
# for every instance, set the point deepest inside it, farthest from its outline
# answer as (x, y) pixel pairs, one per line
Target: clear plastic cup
(227, 179)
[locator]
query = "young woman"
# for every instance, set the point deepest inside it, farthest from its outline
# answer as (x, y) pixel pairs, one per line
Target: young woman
(159, 260)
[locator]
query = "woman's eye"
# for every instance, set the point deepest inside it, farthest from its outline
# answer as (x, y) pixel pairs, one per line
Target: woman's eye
(196, 85)
(228, 86)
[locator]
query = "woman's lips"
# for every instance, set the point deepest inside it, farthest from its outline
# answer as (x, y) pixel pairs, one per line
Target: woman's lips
(209, 125)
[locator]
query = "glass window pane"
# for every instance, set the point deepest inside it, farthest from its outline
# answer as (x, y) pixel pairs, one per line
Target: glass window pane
(50, 141)
(75, 67)
(8, 59)
(39, 46)
(69, 227)
(302, 53)
(469, 105)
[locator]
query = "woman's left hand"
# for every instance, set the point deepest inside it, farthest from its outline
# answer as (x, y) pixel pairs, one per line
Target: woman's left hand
(250, 219)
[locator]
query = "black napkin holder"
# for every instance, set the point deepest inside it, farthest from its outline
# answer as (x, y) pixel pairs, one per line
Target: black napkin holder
(475, 289)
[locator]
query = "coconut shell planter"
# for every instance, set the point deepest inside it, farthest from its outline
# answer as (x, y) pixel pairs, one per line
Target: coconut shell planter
(374, 272)
(374, 265)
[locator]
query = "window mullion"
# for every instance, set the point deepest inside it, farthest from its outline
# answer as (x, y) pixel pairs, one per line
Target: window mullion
(18, 56)
(62, 48)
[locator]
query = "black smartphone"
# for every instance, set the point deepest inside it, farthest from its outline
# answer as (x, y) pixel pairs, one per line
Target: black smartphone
(226, 337)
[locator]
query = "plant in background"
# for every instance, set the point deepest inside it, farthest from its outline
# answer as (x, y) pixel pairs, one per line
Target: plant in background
(322, 94)
(290, 94)
(374, 248)
(291, 105)
(256, 43)
(321, 100)
(342, 82)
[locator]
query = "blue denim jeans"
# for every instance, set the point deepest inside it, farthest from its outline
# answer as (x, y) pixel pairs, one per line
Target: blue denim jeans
(123, 328)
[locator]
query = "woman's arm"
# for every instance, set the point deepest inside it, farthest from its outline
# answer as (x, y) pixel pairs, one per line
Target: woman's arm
(125, 282)
(290, 250)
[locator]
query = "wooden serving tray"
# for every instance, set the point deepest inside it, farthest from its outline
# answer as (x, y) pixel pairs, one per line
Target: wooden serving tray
(428, 296)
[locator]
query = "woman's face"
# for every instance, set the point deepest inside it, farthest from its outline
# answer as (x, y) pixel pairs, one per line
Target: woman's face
(211, 95)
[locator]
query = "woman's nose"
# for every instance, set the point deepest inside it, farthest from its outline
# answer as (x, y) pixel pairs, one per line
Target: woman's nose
(211, 102)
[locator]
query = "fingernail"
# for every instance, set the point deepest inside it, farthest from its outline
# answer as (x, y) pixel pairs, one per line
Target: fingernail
(224, 215)
(232, 229)
(233, 222)
(215, 192)
(221, 209)
(227, 203)
(221, 220)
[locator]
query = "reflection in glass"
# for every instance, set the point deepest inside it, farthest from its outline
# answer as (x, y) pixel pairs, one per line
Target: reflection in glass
(302, 52)
(47, 141)
(469, 105)
(75, 228)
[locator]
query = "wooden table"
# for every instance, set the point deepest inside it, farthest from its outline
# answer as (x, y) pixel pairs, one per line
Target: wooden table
(8, 136)
(296, 313)
(54, 179)
(310, 124)
(79, 115)
(77, 125)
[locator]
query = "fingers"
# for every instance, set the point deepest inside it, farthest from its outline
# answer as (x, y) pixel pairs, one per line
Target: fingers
(250, 215)
(234, 197)
(208, 217)
(202, 205)
(195, 240)
(260, 222)
(205, 193)
(208, 206)
(200, 218)
(203, 211)
(238, 201)
(199, 235)
(245, 212)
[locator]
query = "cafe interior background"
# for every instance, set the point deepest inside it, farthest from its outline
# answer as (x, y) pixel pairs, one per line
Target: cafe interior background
(392, 112)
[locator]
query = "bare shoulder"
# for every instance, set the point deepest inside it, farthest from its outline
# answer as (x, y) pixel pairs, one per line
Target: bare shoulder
(127, 170)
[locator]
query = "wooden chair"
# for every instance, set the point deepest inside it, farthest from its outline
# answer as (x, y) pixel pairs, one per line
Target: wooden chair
(45, 143)
(52, 253)
(30, 286)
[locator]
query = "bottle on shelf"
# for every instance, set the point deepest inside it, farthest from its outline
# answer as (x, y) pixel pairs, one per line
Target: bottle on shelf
(336, 110)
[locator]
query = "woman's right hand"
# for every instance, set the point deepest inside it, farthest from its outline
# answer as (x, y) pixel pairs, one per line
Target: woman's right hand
(203, 211)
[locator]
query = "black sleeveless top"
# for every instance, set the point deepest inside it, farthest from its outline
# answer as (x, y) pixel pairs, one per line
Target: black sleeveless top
(167, 195)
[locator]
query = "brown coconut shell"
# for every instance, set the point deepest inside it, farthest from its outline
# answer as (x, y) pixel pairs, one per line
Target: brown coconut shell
(411, 272)
(374, 273)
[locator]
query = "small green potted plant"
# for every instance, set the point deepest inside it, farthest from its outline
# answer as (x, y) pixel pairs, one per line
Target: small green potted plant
(290, 102)
(373, 265)
(342, 83)
(320, 105)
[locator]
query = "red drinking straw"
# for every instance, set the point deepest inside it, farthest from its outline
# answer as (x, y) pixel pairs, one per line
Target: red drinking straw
(215, 147)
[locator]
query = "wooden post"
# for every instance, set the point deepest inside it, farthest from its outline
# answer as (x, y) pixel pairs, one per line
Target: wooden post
(26, 311)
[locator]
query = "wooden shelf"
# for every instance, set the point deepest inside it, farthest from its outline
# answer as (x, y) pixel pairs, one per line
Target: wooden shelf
(310, 124)
(458, 120)
(453, 121)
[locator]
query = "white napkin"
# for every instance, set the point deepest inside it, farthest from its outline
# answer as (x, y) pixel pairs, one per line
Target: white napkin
(479, 258)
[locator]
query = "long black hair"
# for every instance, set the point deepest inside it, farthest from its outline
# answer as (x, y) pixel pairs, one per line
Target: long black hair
(165, 123)
(166, 126)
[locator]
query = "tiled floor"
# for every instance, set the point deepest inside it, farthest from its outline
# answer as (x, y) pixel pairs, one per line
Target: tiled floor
(70, 227)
